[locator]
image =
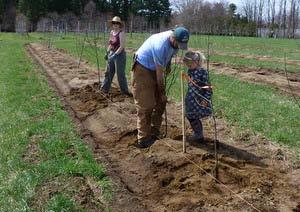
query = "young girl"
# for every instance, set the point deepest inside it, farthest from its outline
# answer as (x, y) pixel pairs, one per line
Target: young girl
(198, 97)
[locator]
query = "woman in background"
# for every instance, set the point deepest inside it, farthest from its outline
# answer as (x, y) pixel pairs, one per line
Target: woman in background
(116, 57)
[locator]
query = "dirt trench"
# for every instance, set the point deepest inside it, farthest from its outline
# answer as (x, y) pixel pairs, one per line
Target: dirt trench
(257, 57)
(286, 82)
(253, 174)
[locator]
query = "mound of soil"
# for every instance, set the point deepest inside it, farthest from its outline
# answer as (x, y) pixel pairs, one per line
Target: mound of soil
(161, 178)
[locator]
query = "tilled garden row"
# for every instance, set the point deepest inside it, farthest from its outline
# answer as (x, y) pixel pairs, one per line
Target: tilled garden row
(253, 175)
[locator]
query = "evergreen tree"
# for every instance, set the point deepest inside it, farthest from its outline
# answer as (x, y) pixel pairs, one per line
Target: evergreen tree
(102, 5)
(34, 9)
(8, 15)
(76, 7)
(154, 10)
(1, 10)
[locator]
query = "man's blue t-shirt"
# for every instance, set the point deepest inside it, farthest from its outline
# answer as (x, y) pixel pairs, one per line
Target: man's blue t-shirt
(156, 49)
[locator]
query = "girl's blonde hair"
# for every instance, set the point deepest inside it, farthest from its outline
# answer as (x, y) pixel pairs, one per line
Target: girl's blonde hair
(194, 56)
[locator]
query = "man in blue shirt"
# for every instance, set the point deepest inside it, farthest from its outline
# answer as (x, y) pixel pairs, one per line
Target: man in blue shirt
(148, 88)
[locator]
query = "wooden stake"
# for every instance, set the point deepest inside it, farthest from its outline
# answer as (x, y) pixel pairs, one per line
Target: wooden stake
(183, 118)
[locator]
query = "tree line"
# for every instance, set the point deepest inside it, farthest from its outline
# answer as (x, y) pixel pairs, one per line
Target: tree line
(281, 17)
(153, 11)
(254, 17)
(217, 18)
(272, 18)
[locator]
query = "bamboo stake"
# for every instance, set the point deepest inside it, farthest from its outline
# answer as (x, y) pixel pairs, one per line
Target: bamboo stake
(183, 118)
(216, 142)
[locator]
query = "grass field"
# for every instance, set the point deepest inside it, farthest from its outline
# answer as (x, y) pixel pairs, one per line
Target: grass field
(33, 122)
(278, 48)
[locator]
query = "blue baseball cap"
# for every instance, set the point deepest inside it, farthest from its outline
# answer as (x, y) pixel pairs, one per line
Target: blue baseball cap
(182, 36)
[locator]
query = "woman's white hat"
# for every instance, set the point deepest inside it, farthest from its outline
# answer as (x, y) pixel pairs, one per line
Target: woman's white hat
(116, 19)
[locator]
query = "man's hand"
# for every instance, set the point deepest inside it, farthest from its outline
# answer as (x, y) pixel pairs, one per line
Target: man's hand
(164, 98)
(168, 68)
(160, 83)
(162, 93)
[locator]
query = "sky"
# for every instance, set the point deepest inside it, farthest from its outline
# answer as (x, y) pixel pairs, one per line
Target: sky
(237, 2)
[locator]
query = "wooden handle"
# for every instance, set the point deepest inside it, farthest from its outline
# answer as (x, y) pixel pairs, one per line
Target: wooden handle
(182, 116)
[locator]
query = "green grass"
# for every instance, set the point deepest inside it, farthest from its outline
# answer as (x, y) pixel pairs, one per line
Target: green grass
(250, 46)
(244, 62)
(38, 143)
(258, 108)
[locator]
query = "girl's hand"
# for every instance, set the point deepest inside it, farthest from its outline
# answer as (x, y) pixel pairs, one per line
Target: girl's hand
(112, 57)
(204, 103)
(184, 75)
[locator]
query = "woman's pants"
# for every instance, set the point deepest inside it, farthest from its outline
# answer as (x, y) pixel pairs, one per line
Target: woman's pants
(118, 65)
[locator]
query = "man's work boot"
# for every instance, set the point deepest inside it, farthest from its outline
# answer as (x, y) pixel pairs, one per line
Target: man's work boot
(129, 94)
(195, 138)
(155, 132)
(145, 142)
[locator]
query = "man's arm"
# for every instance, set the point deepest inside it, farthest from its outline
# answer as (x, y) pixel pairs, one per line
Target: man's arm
(160, 78)
(160, 83)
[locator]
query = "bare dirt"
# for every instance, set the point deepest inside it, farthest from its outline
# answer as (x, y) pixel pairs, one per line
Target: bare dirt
(286, 82)
(254, 175)
(259, 57)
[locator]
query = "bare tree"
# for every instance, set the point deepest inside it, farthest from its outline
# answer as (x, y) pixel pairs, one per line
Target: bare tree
(298, 15)
(255, 10)
(284, 19)
(260, 15)
(268, 7)
(273, 13)
(89, 13)
(21, 24)
(293, 16)
(248, 8)
(219, 14)
(90, 10)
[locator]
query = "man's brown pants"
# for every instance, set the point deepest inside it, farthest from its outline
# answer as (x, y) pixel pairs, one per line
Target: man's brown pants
(149, 105)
